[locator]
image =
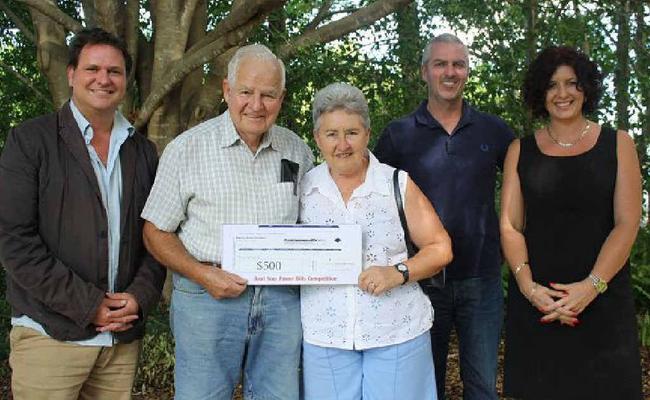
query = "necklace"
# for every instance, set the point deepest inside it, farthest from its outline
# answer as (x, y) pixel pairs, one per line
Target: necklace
(567, 145)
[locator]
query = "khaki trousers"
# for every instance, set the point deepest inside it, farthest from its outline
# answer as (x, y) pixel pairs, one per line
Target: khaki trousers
(45, 368)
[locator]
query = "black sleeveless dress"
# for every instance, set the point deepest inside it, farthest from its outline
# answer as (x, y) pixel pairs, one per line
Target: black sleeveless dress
(569, 213)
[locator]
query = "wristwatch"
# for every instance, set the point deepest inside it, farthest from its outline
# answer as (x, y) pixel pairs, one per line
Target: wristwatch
(599, 284)
(404, 270)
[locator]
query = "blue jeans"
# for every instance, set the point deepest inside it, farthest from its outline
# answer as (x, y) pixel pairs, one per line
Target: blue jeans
(473, 306)
(401, 371)
(258, 334)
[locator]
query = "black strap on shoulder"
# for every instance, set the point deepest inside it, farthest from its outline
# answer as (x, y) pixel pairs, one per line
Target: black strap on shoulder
(402, 216)
(398, 198)
(436, 281)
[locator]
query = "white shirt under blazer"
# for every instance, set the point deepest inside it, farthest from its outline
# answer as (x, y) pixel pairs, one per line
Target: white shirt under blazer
(344, 316)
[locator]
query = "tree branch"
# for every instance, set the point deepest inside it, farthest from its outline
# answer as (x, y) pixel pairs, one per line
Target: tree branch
(193, 82)
(55, 14)
(18, 22)
(241, 12)
(88, 7)
(106, 15)
(27, 83)
(179, 70)
(336, 29)
(230, 32)
(642, 60)
(187, 14)
(143, 68)
(323, 11)
(329, 14)
(130, 31)
(211, 91)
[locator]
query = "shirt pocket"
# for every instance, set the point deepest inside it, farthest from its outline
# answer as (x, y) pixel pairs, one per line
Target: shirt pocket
(280, 203)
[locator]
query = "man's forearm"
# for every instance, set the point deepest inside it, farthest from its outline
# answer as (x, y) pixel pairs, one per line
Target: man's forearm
(168, 249)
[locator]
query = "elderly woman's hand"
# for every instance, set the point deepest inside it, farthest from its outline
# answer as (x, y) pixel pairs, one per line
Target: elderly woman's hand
(378, 279)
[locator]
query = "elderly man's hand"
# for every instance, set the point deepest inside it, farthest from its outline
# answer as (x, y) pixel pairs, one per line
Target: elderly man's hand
(222, 284)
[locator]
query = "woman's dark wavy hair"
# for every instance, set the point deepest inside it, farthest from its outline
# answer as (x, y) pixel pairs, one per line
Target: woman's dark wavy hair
(92, 36)
(540, 71)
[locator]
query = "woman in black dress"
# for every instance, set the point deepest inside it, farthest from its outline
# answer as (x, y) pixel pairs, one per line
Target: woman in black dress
(571, 207)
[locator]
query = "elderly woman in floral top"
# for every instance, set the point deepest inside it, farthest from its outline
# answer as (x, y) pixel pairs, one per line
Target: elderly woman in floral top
(371, 340)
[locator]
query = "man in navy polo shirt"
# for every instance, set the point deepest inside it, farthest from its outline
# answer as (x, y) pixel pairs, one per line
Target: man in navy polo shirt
(452, 151)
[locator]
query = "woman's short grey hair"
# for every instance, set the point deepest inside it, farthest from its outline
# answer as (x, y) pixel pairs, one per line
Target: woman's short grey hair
(258, 51)
(443, 38)
(340, 96)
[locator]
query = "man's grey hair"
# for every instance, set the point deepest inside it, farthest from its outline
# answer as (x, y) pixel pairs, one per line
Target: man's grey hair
(340, 96)
(443, 38)
(258, 51)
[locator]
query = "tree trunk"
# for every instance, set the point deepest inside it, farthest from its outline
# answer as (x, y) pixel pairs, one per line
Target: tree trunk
(194, 81)
(187, 94)
(170, 88)
(169, 47)
(409, 51)
(108, 15)
(642, 69)
(130, 25)
(210, 95)
(530, 9)
(622, 70)
(52, 56)
(88, 6)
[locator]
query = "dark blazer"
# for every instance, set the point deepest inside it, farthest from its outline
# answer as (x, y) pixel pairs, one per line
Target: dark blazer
(53, 228)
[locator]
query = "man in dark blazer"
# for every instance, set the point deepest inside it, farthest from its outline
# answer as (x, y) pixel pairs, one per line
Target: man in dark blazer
(79, 280)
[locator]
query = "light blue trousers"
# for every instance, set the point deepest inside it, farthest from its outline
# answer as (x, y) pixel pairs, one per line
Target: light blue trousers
(402, 371)
(257, 334)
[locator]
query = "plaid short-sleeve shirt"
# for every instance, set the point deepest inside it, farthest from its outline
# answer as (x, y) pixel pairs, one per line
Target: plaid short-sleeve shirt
(208, 176)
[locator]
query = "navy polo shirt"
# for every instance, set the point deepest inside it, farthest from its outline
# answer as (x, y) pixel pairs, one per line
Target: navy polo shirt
(457, 173)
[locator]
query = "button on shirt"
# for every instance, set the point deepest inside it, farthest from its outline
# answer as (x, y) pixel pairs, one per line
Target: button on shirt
(109, 178)
(458, 174)
(208, 176)
(344, 316)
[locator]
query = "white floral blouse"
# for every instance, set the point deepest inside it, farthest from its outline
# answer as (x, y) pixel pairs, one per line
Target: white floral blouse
(343, 316)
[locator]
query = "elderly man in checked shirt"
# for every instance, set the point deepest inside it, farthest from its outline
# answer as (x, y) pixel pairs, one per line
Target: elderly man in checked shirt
(224, 171)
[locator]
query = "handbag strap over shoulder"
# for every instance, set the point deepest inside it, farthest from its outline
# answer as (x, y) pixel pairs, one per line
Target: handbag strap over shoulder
(436, 281)
(410, 247)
